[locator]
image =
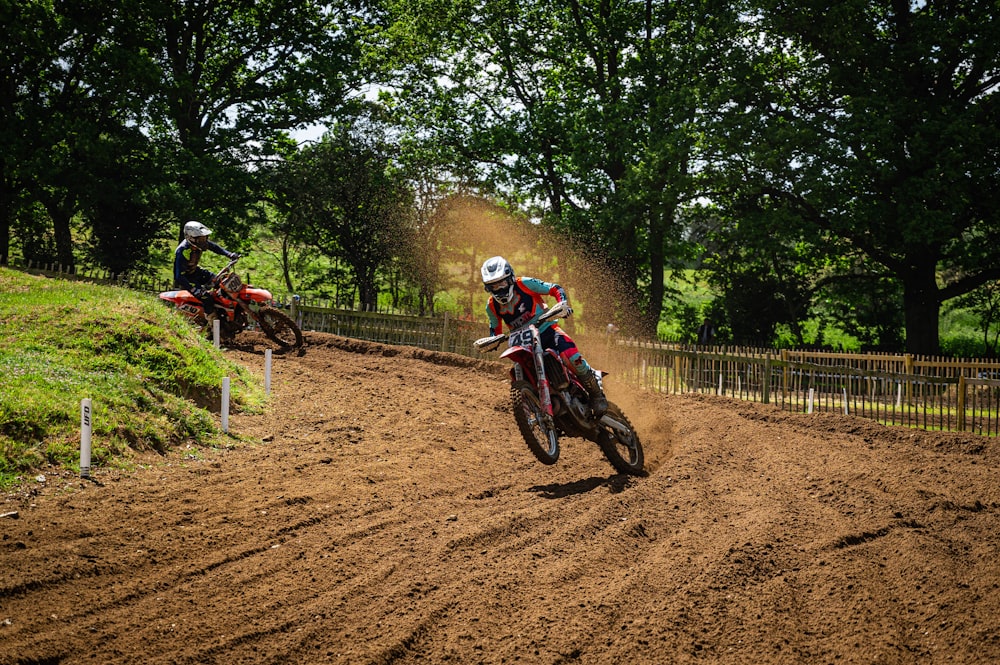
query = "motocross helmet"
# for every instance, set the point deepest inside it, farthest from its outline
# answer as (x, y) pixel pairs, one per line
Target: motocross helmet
(197, 234)
(498, 279)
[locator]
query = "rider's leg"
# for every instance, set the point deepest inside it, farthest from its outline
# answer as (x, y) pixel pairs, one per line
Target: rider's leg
(584, 372)
(208, 303)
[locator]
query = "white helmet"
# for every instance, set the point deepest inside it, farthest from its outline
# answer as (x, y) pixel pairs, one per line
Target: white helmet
(197, 233)
(498, 279)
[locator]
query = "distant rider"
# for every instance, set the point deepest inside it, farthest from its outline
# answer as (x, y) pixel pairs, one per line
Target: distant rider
(519, 300)
(188, 275)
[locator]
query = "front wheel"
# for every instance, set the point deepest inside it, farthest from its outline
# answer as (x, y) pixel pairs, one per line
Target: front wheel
(279, 327)
(620, 444)
(535, 425)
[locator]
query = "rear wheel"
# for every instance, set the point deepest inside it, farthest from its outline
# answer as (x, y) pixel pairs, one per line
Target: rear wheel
(621, 446)
(535, 425)
(279, 327)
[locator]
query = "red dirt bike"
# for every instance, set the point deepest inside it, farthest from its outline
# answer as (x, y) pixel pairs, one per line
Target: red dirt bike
(237, 305)
(550, 402)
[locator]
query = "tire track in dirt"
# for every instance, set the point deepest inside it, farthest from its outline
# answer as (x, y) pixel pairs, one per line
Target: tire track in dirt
(392, 515)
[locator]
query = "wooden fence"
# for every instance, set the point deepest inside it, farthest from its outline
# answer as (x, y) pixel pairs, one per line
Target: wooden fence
(928, 393)
(445, 333)
(894, 389)
(130, 280)
(933, 393)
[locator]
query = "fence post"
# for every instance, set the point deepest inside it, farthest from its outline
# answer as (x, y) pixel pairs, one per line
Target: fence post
(961, 402)
(766, 391)
(784, 376)
(908, 364)
(444, 332)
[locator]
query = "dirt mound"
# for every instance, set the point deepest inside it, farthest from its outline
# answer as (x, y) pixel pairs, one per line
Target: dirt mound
(392, 515)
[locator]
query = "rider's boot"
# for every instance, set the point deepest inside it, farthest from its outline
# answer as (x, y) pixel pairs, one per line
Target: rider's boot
(598, 402)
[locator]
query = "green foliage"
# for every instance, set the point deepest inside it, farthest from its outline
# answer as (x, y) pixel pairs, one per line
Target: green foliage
(579, 112)
(149, 374)
(342, 199)
(848, 151)
(874, 129)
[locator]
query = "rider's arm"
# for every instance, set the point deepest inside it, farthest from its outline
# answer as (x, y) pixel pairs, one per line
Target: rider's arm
(544, 288)
(219, 249)
(495, 324)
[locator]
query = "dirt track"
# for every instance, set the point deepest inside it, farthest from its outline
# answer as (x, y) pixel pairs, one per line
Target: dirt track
(392, 515)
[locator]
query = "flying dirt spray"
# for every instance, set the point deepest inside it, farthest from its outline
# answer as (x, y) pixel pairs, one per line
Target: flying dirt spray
(468, 230)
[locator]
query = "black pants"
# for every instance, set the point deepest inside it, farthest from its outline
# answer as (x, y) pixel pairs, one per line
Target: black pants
(201, 279)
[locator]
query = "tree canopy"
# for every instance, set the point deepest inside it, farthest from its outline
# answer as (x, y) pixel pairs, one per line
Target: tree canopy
(804, 155)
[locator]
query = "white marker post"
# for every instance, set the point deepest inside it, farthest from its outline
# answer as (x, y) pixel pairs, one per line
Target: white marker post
(85, 434)
(215, 332)
(267, 371)
(812, 393)
(225, 404)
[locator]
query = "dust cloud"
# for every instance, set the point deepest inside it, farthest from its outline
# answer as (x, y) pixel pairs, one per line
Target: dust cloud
(474, 230)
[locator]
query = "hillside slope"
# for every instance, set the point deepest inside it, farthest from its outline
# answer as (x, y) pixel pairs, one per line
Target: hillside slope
(392, 515)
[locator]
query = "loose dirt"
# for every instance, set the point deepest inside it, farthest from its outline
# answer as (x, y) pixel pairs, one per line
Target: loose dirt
(389, 513)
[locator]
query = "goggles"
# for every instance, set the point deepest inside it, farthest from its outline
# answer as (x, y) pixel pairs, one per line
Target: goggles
(500, 288)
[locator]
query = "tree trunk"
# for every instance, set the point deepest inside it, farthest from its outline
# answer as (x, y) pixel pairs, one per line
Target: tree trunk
(658, 221)
(63, 236)
(6, 215)
(921, 305)
(4, 238)
(286, 265)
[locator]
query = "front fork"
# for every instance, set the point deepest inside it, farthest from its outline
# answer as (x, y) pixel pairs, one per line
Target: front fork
(544, 394)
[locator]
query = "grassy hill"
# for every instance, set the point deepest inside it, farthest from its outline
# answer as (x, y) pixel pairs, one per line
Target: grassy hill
(151, 376)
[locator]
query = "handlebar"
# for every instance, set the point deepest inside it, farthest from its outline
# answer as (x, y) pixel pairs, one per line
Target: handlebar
(227, 267)
(489, 343)
(560, 310)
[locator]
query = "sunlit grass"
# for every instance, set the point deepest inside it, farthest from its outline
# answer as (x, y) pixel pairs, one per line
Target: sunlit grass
(151, 377)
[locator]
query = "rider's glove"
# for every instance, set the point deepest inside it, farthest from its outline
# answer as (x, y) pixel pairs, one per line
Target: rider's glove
(569, 310)
(235, 255)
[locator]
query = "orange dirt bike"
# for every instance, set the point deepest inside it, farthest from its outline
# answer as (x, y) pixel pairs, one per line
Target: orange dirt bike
(237, 305)
(550, 402)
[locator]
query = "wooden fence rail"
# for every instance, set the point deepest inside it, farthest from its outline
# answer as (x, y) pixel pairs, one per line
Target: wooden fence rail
(949, 395)
(895, 389)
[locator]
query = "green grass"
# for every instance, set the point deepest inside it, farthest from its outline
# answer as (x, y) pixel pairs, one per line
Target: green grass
(150, 375)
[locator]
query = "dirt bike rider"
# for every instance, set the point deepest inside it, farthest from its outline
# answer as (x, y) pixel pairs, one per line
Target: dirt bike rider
(518, 300)
(188, 275)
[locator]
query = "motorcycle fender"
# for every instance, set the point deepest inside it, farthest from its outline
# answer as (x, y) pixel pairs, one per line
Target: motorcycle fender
(524, 363)
(251, 294)
(183, 295)
(518, 354)
(184, 301)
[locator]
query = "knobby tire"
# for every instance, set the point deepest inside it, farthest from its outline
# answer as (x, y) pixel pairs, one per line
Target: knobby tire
(624, 451)
(279, 327)
(542, 440)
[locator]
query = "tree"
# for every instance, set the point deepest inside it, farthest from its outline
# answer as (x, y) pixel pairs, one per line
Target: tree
(579, 110)
(232, 78)
(762, 278)
(344, 199)
(193, 97)
(877, 123)
(70, 80)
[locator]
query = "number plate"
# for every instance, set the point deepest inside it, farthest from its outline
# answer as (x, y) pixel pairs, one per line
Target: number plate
(520, 338)
(232, 282)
